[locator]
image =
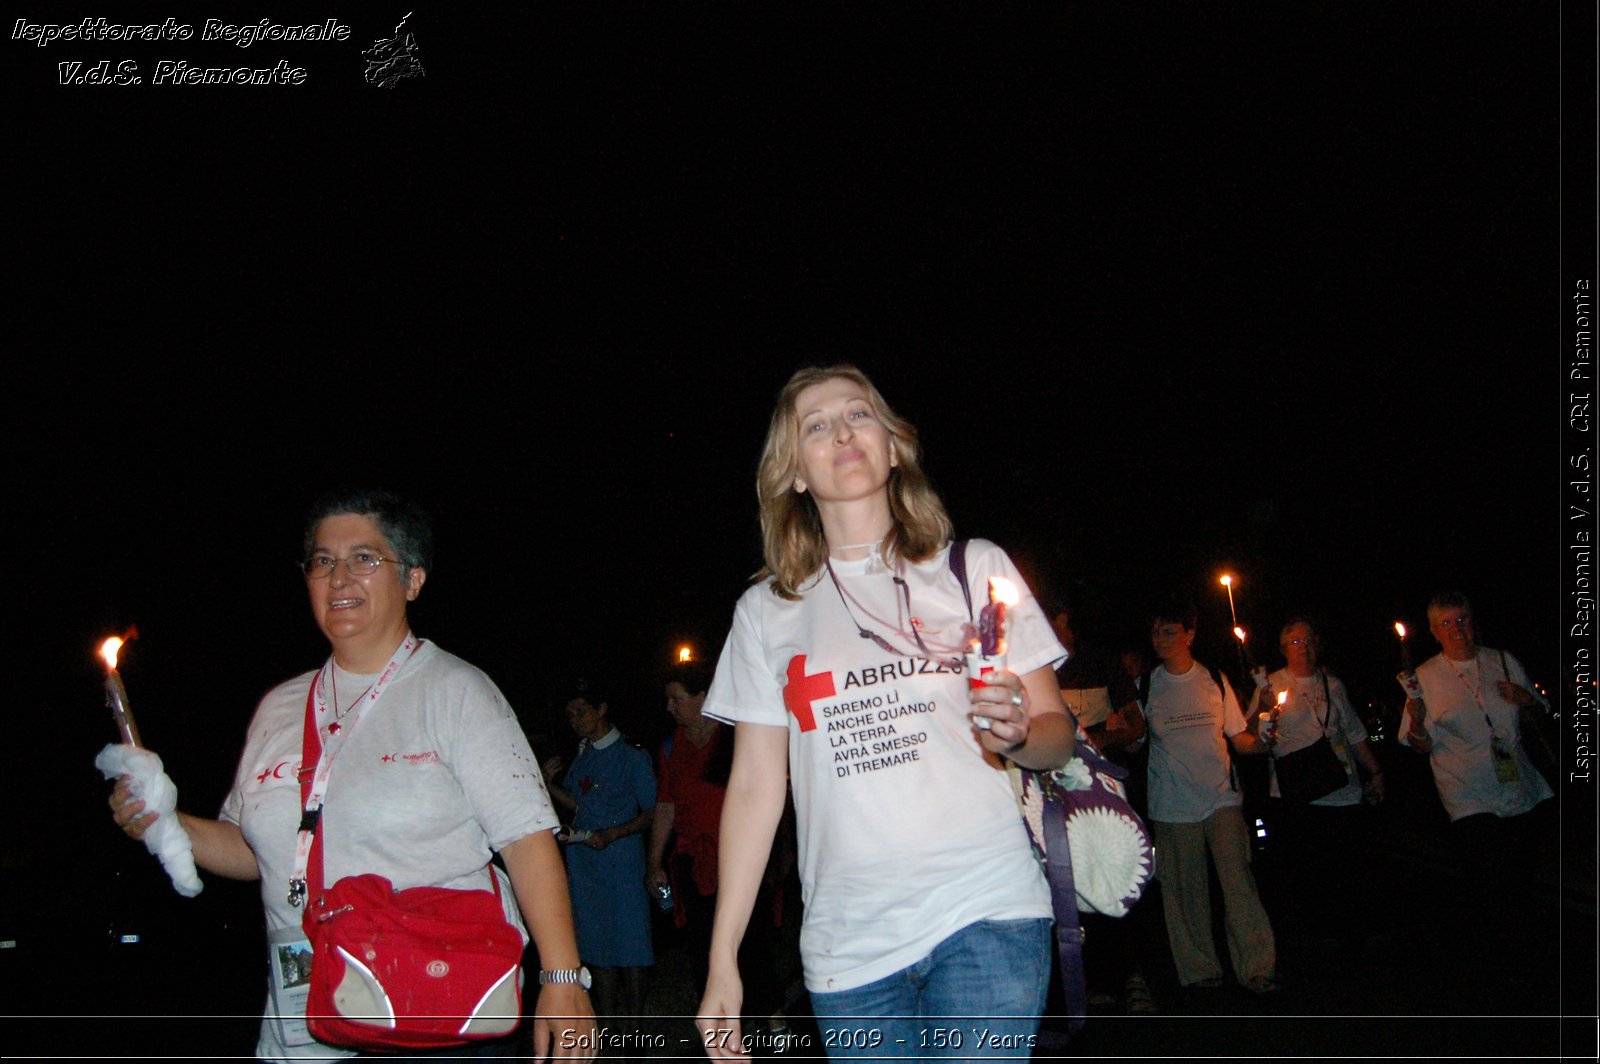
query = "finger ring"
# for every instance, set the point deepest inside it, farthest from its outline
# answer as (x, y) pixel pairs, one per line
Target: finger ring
(1016, 700)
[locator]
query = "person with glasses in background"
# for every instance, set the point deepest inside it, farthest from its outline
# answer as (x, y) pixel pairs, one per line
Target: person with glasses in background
(429, 775)
(1319, 846)
(1193, 720)
(1468, 708)
(925, 907)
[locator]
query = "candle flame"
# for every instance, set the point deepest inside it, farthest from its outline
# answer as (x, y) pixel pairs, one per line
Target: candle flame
(108, 650)
(1227, 580)
(1239, 632)
(685, 655)
(1400, 629)
(1283, 696)
(1003, 590)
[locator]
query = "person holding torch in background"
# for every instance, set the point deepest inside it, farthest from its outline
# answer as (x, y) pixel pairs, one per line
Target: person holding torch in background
(434, 776)
(1465, 709)
(1317, 842)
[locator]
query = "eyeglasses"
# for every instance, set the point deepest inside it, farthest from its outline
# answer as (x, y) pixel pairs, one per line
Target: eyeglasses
(361, 563)
(1464, 621)
(1300, 642)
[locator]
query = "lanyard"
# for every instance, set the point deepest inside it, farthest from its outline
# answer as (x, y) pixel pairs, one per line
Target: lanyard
(1477, 692)
(323, 738)
(867, 633)
(1326, 703)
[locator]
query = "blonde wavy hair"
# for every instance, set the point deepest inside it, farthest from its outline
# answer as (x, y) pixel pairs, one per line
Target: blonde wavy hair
(791, 528)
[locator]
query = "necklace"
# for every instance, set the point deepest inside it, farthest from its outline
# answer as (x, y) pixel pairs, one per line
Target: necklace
(333, 684)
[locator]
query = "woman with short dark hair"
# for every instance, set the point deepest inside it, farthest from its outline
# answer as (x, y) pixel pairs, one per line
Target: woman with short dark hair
(429, 775)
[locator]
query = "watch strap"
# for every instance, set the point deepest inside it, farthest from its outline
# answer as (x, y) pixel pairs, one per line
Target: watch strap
(573, 976)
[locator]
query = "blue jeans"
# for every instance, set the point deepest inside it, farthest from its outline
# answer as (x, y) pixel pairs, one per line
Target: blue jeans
(978, 994)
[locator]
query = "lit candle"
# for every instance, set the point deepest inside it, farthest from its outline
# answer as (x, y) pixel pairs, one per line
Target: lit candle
(992, 618)
(685, 655)
(1405, 649)
(1227, 582)
(987, 650)
(1244, 647)
(116, 694)
(1269, 718)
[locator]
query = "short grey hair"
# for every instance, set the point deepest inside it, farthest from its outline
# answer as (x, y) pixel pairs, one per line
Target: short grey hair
(403, 523)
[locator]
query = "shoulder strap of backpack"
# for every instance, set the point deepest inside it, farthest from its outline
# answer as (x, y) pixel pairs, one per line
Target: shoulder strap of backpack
(958, 566)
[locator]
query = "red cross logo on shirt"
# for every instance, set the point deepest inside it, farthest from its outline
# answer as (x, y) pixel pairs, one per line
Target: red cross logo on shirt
(802, 690)
(276, 772)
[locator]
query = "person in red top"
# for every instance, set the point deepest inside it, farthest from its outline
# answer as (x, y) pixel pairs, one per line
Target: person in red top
(691, 780)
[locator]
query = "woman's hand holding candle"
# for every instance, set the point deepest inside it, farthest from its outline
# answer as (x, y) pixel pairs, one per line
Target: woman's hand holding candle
(129, 811)
(1413, 689)
(1267, 724)
(143, 793)
(1003, 701)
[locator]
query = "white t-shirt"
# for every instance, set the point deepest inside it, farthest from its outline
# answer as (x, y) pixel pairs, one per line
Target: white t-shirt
(1190, 774)
(1462, 761)
(435, 778)
(908, 832)
(1298, 729)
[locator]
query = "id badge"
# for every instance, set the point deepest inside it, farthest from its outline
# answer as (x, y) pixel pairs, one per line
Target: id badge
(289, 952)
(1505, 762)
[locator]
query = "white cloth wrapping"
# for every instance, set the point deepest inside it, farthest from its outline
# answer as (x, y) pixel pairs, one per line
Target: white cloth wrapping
(166, 837)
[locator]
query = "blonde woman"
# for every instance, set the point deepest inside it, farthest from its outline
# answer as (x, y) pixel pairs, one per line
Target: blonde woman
(925, 909)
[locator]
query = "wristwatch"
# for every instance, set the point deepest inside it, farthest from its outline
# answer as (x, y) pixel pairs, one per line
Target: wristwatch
(579, 976)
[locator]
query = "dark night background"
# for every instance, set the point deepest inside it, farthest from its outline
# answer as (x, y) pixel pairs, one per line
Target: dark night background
(1169, 289)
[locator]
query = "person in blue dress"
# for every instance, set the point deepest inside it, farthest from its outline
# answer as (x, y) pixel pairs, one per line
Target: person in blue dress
(610, 791)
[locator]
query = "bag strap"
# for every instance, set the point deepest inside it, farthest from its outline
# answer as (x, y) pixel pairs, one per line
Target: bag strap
(1222, 692)
(310, 750)
(1327, 703)
(1064, 900)
(958, 566)
(310, 753)
(1143, 688)
(1057, 864)
(1142, 684)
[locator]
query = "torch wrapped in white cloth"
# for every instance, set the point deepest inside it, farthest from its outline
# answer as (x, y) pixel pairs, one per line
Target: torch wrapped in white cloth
(166, 837)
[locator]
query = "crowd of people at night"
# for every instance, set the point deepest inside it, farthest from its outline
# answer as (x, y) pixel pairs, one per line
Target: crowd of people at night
(830, 830)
